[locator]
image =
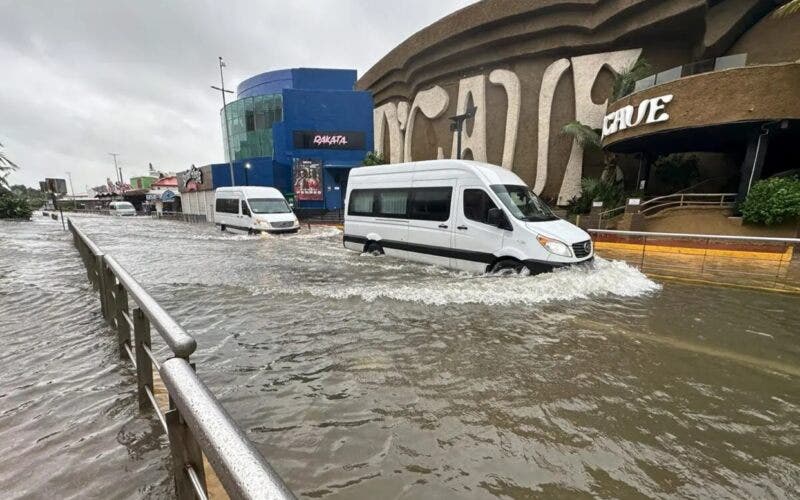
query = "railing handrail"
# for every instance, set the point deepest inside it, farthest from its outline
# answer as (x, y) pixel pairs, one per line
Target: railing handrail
(686, 195)
(181, 343)
(247, 473)
(697, 236)
(211, 431)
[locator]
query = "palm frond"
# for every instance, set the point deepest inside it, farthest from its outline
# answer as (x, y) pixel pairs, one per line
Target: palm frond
(584, 135)
(625, 81)
(792, 7)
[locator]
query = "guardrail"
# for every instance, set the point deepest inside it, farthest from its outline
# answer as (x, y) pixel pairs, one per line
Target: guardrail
(744, 261)
(659, 203)
(193, 218)
(195, 423)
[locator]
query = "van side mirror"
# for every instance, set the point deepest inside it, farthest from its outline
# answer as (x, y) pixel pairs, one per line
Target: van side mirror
(496, 217)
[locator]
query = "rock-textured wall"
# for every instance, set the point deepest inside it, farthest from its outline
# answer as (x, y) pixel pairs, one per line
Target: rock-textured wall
(530, 68)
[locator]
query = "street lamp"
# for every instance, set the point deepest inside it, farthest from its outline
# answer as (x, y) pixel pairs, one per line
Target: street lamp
(116, 168)
(246, 168)
(458, 125)
(222, 90)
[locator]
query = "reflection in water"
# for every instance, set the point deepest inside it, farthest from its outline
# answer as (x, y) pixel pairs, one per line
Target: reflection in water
(361, 376)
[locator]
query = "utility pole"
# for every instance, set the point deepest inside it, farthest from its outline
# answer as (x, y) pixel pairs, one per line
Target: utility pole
(116, 169)
(458, 126)
(222, 90)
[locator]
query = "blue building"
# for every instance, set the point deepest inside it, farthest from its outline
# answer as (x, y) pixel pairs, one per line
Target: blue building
(300, 130)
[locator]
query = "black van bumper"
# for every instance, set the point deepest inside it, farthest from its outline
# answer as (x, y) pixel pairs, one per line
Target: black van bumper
(539, 266)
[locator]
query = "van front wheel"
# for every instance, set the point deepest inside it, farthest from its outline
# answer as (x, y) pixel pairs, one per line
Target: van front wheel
(374, 249)
(222, 227)
(508, 266)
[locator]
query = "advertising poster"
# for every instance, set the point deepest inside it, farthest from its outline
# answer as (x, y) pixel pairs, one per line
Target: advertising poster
(307, 179)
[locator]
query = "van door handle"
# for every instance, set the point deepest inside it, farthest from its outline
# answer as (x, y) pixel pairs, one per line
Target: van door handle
(463, 228)
(443, 226)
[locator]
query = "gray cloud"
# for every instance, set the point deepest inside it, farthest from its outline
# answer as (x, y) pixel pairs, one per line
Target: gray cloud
(83, 78)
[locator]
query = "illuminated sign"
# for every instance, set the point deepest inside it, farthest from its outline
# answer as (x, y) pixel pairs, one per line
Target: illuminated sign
(648, 111)
(328, 140)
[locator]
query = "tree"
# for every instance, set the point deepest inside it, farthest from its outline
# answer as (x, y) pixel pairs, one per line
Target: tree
(792, 7)
(584, 135)
(625, 81)
(374, 158)
(6, 167)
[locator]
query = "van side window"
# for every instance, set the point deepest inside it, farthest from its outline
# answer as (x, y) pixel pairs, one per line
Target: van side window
(431, 203)
(227, 205)
(477, 204)
(245, 209)
(362, 202)
(393, 203)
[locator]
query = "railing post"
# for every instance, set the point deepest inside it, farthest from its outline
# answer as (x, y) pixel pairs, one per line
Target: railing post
(99, 267)
(110, 283)
(144, 367)
(185, 451)
(123, 327)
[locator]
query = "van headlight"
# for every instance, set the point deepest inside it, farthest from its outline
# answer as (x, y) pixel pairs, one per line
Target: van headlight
(554, 246)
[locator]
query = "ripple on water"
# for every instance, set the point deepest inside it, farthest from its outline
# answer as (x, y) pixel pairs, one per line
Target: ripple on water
(362, 376)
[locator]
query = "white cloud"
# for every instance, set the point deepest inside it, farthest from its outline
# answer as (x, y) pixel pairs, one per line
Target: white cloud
(84, 78)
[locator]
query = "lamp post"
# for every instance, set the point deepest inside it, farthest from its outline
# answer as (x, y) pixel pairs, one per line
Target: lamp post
(246, 169)
(222, 90)
(116, 168)
(69, 175)
(458, 126)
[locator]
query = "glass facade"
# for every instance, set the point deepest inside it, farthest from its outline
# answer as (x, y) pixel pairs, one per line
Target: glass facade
(250, 123)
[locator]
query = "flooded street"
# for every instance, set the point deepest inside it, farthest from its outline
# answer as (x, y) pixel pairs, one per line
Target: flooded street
(369, 377)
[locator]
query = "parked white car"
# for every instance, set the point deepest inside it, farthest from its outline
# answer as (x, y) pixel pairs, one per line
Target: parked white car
(253, 209)
(460, 214)
(121, 208)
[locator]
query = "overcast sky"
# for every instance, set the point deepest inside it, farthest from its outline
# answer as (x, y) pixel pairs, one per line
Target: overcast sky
(82, 78)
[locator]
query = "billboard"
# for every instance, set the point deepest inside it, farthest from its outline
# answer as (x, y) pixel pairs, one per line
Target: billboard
(307, 179)
(57, 186)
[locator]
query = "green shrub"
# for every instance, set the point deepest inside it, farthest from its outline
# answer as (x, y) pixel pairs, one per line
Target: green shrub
(374, 158)
(772, 201)
(612, 195)
(14, 207)
(677, 171)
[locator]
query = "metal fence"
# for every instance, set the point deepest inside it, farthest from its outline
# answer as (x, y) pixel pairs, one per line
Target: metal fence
(195, 423)
(745, 261)
(193, 218)
(689, 200)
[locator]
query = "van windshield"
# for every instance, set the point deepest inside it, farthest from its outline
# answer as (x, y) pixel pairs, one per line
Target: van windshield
(523, 203)
(268, 206)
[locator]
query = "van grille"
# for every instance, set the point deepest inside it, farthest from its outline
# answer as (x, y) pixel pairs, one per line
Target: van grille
(282, 224)
(582, 249)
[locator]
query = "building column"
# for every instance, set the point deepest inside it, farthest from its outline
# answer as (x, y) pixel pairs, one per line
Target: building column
(757, 141)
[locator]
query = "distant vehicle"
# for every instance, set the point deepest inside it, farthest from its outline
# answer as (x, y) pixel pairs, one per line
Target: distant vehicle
(121, 208)
(460, 214)
(253, 209)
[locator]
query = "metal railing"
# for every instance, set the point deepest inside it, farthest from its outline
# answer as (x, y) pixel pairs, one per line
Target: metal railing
(196, 424)
(746, 261)
(679, 200)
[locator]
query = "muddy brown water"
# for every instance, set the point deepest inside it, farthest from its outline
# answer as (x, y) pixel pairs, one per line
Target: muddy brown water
(369, 377)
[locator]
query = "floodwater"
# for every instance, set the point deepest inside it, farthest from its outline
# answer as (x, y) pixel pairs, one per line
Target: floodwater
(368, 377)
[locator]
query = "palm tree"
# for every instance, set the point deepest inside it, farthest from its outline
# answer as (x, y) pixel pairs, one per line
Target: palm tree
(6, 166)
(584, 135)
(792, 7)
(625, 80)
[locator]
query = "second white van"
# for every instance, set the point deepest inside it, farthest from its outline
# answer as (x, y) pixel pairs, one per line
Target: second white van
(253, 209)
(460, 214)
(121, 209)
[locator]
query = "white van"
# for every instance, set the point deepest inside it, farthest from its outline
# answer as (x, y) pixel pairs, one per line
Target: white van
(253, 209)
(460, 214)
(121, 208)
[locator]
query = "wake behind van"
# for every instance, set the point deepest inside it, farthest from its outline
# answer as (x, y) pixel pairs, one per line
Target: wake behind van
(253, 209)
(460, 214)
